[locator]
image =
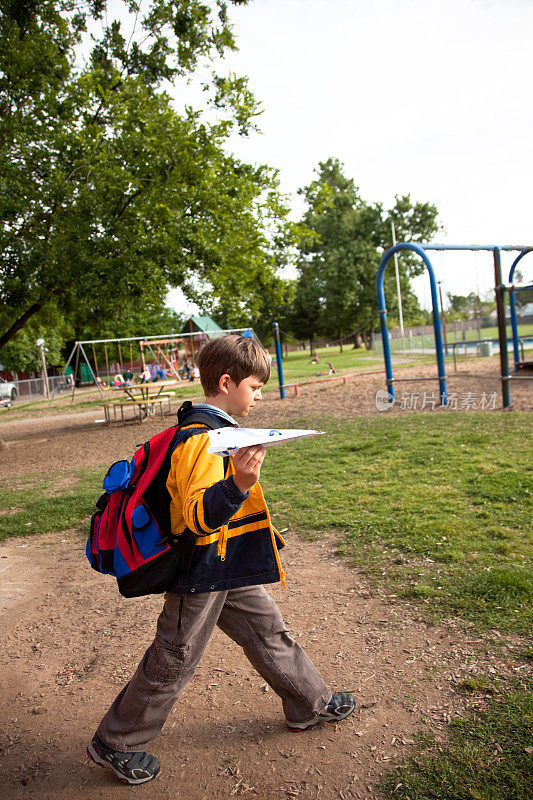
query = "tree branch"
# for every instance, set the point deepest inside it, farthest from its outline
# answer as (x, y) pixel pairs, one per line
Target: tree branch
(118, 212)
(20, 322)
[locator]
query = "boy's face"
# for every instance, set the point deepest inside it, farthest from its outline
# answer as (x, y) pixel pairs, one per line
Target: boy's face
(241, 398)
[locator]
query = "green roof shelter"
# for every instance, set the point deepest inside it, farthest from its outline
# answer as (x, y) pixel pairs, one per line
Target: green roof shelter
(201, 325)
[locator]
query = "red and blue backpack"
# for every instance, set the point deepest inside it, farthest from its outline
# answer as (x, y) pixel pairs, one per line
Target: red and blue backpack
(130, 533)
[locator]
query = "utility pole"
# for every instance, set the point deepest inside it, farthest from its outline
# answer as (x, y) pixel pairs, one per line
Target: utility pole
(399, 291)
(277, 345)
(40, 345)
(443, 319)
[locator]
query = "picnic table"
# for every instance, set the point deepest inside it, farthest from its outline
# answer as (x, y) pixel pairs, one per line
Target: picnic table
(142, 398)
(148, 391)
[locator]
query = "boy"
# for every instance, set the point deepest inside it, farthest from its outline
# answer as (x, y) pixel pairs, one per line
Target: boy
(236, 550)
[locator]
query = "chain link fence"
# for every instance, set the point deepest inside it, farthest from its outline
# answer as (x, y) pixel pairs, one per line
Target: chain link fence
(34, 387)
(467, 337)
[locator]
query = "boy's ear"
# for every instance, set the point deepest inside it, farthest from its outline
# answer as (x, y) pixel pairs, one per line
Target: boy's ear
(223, 383)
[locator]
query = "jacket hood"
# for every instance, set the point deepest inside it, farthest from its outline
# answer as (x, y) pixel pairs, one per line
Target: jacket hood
(189, 414)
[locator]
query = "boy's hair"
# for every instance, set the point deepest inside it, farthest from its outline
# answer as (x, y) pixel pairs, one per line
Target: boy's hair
(234, 355)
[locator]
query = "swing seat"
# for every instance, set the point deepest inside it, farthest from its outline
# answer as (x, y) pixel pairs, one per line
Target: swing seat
(101, 384)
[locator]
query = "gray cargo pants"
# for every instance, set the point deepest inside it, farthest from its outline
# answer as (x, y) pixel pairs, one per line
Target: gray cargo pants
(250, 617)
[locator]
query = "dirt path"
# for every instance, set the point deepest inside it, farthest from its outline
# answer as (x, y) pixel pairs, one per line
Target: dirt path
(69, 642)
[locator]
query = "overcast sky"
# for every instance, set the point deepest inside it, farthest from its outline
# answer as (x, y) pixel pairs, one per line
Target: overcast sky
(430, 98)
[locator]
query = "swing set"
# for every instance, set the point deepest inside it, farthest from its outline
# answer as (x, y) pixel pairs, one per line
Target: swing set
(171, 355)
(500, 288)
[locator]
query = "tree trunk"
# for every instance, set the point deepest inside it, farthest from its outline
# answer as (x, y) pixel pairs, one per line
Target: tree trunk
(340, 341)
(20, 322)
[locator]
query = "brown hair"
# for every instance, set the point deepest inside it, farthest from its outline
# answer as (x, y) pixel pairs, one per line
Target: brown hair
(234, 355)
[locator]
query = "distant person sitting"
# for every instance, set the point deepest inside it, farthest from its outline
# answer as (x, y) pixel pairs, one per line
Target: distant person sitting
(186, 372)
(145, 375)
(128, 378)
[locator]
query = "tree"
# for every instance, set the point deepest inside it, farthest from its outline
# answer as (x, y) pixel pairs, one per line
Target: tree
(107, 194)
(460, 305)
(469, 306)
(338, 261)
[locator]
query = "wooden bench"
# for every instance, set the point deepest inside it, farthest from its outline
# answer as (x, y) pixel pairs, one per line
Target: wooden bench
(142, 409)
(163, 395)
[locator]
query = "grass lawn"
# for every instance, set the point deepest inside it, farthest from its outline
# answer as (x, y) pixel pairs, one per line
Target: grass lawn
(437, 506)
(436, 509)
(48, 502)
(487, 757)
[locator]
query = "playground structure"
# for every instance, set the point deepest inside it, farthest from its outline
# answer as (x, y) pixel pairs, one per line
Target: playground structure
(170, 354)
(500, 289)
(177, 355)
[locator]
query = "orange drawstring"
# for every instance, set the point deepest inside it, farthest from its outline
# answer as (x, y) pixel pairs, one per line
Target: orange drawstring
(222, 543)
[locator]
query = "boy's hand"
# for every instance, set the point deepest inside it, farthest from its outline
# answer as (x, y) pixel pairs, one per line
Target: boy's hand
(247, 463)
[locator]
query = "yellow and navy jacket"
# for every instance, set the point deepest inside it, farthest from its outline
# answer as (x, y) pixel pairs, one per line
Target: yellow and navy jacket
(235, 543)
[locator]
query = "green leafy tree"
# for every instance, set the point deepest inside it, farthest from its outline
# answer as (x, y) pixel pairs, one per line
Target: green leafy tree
(336, 294)
(468, 306)
(107, 194)
(523, 297)
(459, 305)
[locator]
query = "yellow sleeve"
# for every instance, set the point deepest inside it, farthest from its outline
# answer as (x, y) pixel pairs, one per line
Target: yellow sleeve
(192, 471)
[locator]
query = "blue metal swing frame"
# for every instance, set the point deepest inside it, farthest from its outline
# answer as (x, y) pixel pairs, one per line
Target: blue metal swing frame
(500, 289)
(512, 305)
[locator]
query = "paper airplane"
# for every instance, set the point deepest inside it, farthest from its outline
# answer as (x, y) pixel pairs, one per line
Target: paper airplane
(225, 441)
